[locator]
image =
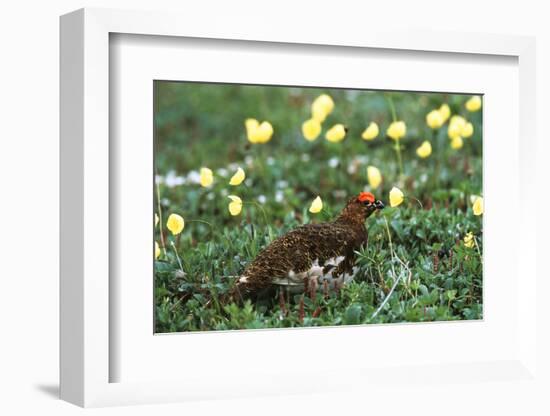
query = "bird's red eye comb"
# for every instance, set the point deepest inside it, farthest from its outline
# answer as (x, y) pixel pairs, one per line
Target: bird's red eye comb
(366, 196)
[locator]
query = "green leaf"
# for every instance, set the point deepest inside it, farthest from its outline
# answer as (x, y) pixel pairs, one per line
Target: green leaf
(352, 315)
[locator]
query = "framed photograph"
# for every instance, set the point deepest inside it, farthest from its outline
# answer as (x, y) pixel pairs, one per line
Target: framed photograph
(286, 222)
(256, 215)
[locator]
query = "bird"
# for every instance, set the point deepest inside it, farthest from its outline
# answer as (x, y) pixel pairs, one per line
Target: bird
(312, 253)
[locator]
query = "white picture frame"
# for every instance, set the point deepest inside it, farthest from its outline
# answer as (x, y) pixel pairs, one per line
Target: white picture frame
(85, 352)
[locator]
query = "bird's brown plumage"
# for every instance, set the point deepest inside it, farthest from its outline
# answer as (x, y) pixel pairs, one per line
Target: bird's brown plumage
(295, 253)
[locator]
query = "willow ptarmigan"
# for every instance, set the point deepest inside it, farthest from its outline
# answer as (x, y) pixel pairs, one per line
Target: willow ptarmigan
(317, 252)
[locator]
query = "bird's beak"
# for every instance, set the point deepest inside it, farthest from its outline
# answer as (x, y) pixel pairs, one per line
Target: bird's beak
(379, 204)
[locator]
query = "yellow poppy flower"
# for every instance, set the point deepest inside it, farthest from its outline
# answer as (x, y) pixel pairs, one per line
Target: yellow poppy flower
(396, 197)
(311, 129)
(473, 198)
(157, 250)
(473, 104)
(371, 132)
(258, 132)
(469, 240)
(156, 219)
(236, 205)
(478, 206)
(237, 178)
(336, 133)
(251, 124)
(457, 143)
(207, 177)
(322, 107)
(467, 130)
(265, 131)
(424, 150)
(318, 113)
(397, 130)
(456, 126)
(445, 111)
(316, 205)
(175, 224)
(434, 119)
(374, 176)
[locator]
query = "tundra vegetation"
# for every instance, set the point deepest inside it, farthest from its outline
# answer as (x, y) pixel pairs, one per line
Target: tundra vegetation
(236, 166)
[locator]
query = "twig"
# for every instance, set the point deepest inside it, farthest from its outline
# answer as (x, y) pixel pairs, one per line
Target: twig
(177, 255)
(405, 266)
(478, 250)
(386, 298)
(397, 279)
(391, 244)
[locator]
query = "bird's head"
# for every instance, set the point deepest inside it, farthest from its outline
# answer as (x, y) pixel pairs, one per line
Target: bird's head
(360, 207)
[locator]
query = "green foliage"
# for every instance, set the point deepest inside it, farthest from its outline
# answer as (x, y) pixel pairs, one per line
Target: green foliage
(203, 125)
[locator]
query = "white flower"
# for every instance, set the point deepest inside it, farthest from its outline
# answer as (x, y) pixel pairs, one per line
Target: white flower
(249, 160)
(279, 196)
(223, 172)
(333, 162)
(281, 184)
(193, 177)
(262, 199)
(171, 180)
(353, 166)
(339, 193)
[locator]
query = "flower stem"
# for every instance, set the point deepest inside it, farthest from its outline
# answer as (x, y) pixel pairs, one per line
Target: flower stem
(415, 199)
(260, 207)
(397, 143)
(392, 107)
(478, 250)
(162, 243)
(202, 221)
(435, 179)
(399, 159)
(389, 239)
(177, 255)
(397, 279)
(343, 172)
